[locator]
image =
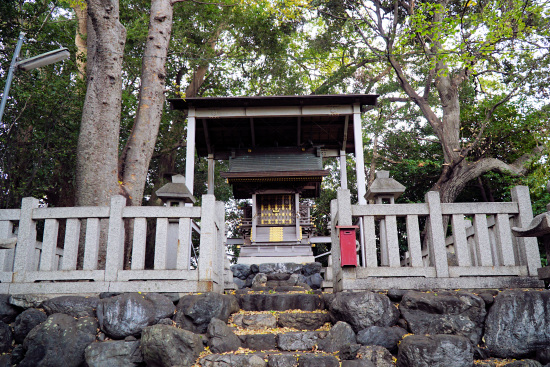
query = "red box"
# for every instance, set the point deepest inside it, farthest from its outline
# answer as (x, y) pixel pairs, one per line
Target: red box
(348, 254)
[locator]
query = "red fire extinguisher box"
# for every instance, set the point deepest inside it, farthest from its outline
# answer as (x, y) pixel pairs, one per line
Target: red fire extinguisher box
(348, 255)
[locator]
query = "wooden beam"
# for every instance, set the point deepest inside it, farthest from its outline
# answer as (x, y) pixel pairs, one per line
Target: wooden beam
(206, 136)
(229, 112)
(252, 134)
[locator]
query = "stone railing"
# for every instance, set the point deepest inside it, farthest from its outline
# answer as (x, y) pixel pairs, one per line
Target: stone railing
(46, 259)
(404, 245)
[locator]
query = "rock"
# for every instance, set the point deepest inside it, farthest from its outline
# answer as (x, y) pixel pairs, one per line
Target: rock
(315, 281)
(487, 297)
(259, 280)
(5, 360)
(75, 306)
(164, 345)
(165, 321)
(435, 351)
(296, 278)
(339, 336)
(59, 341)
(226, 360)
(518, 323)
(317, 360)
(297, 341)
(255, 321)
(379, 356)
(128, 313)
(27, 300)
(281, 360)
(220, 337)
(387, 337)
(8, 312)
(524, 363)
(104, 295)
(239, 282)
(6, 337)
(248, 281)
(311, 268)
(254, 268)
(241, 271)
(113, 353)
(26, 321)
(278, 276)
(543, 355)
(172, 296)
(259, 341)
(363, 309)
(280, 302)
(396, 295)
(289, 268)
(358, 363)
(303, 320)
(194, 312)
(17, 354)
(348, 352)
(456, 313)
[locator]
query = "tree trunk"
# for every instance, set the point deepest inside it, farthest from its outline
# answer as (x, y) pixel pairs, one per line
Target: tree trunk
(80, 39)
(135, 159)
(97, 151)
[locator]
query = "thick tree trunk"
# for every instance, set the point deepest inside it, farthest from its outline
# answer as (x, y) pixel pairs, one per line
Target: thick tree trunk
(134, 162)
(97, 151)
(80, 39)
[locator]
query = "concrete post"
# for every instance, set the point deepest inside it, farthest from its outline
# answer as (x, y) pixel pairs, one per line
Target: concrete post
(210, 180)
(437, 235)
(114, 258)
(528, 246)
(343, 171)
(207, 249)
(220, 245)
(26, 237)
(190, 150)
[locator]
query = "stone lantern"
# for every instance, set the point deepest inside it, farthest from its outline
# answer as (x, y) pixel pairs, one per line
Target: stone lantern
(384, 190)
(174, 194)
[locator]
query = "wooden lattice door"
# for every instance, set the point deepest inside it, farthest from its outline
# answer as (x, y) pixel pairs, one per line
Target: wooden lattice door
(276, 210)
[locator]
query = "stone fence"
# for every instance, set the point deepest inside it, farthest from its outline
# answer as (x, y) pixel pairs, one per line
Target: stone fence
(59, 250)
(406, 246)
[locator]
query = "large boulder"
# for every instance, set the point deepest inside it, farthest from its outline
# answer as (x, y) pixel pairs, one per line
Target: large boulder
(164, 345)
(26, 321)
(114, 353)
(127, 314)
(387, 337)
(363, 309)
(298, 341)
(8, 312)
(194, 312)
(59, 341)
(518, 323)
(379, 356)
(339, 336)
(6, 337)
(221, 338)
(457, 313)
(75, 306)
(435, 351)
(241, 271)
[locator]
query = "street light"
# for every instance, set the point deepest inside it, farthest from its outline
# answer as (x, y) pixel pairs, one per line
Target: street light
(29, 64)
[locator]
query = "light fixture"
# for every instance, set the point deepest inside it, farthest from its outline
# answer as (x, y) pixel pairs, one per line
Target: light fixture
(44, 59)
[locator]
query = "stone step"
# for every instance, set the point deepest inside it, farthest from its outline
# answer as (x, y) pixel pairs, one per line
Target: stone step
(278, 289)
(273, 359)
(280, 301)
(299, 320)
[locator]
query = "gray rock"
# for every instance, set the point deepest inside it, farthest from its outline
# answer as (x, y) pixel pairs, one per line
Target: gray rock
(518, 323)
(17, 354)
(239, 282)
(349, 352)
(297, 341)
(387, 337)
(379, 356)
(113, 353)
(164, 345)
(280, 302)
(289, 268)
(248, 281)
(259, 341)
(524, 363)
(27, 300)
(5, 360)
(278, 276)
(435, 351)
(358, 363)
(311, 268)
(315, 281)
(255, 321)
(26, 321)
(194, 312)
(303, 320)
(296, 278)
(6, 337)
(75, 306)
(317, 360)
(226, 360)
(396, 295)
(59, 341)
(487, 297)
(104, 295)
(128, 313)
(456, 313)
(339, 336)
(543, 355)
(8, 312)
(363, 309)
(254, 268)
(259, 280)
(281, 360)
(241, 271)
(220, 337)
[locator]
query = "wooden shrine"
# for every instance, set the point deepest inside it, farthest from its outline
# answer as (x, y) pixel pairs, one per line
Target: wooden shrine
(275, 146)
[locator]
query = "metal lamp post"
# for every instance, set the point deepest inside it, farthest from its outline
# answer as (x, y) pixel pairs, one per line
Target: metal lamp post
(29, 64)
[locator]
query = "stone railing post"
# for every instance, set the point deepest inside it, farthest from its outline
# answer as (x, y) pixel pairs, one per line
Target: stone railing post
(436, 235)
(207, 247)
(26, 237)
(114, 257)
(340, 212)
(528, 246)
(220, 244)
